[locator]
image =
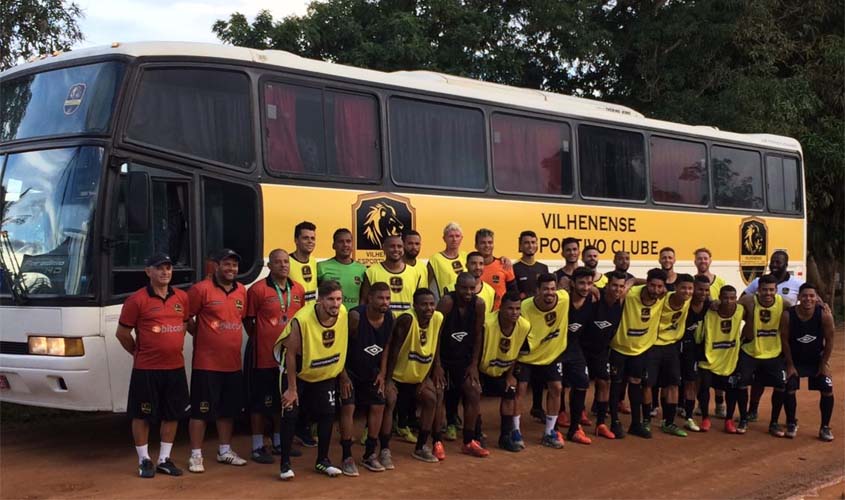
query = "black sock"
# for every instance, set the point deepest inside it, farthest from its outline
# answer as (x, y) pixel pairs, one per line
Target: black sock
(742, 403)
(477, 428)
(370, 446)
(537, 396)
(720, 397)
(422, 438)
(647, 412)
(576, 406)
(505, 426)
(287, 431)
(324, 436)
(790, 406)
(346, 444)
(704, 398)
(601, 412)
(469, 434)
(689, 407)
(635, 394)
(436, 436)
(731, 395)
(669, 410)
(826, 407)
(777, 404)
(613, 403)
(384, 441)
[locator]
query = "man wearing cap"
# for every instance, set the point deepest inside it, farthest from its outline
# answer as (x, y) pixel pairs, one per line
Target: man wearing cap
(158, 388)
(219, 305)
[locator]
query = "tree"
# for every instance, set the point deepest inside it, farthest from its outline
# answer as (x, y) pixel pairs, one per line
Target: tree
(34, 27)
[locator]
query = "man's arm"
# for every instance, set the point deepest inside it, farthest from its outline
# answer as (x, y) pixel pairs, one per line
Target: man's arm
(784, 344)
(747, 303)
(365, 290)
(124, 336)
(432, 281)
(445, 307)
(293, 345)
(477, 339)
(397, 338)
(827, 329)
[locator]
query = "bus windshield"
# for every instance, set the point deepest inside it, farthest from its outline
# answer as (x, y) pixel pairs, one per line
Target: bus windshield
(48, 207)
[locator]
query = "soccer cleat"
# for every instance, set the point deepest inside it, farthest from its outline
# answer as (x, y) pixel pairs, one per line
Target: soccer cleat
(325, 467)
(146, 469)
(168, 468)
(721, 410)
(306, 440)
(439, 451)
(639, 430)
(386, 459)
(195, 464)
(624, 408)
(516, 438)
(451, 433)
(617, 430)
(690, 425)
(372, 464)
(424, 455)
(603, 431)
(538, 414)
(825, 434)
(231, 458)
(791, 430)
(473, 448)
(407, 434)
(585, 422)
(286, 473)
(730, 426)
(705, 424)
(552, 440)
(776, 430)
(580, 437)
(262, 455)
(507, 444)
(752, 416)
(563, 419)
(673, 430)
(348, 467)
(742, 428)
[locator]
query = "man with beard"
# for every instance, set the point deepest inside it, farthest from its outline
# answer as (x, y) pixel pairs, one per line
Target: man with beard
(666, 258)
(402, 279)
(527, 269)
(590, 257)
(571, 250)
(412, 241)
(621, 264)
(343, 269)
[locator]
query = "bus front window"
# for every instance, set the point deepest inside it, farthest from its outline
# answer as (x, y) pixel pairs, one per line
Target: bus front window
(49, 199)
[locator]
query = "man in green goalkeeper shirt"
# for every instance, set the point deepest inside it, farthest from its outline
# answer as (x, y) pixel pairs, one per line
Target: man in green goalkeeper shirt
(343, 269)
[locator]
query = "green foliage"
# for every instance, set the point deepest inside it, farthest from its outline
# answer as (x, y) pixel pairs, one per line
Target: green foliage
(34, 27)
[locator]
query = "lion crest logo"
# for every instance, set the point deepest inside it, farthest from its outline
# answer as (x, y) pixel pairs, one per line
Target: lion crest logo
(375, 216)
(381, 220)
(753, 248)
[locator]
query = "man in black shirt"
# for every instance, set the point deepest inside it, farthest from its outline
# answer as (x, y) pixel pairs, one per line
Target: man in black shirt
(527, 269)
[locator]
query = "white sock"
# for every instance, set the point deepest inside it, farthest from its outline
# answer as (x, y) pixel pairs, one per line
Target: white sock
(196, 452)
(257, 441)
(164, 451)
(550, 423)
(143, 452)
(277, 439)
(516, 419)
(223, 449)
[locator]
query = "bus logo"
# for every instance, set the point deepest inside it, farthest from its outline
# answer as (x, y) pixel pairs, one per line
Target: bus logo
(753, 246)
(376, 216)
(74, 98)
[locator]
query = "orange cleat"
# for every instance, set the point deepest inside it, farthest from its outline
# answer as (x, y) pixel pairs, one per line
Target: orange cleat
(584, 420)
(474, 449)
(563, 419)
(730, 426)
(580, 437)
(603, 431)
(705, 424)
(438, 451)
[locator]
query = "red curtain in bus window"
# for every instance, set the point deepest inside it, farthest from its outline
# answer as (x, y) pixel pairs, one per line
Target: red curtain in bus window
(527, 155)
(282, 149)
(355, 136)
(678, 172)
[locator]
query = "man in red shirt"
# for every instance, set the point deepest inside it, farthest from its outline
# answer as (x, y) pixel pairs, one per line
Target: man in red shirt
(219, 305)
(271, 303)
(158, 389)
(498, 273)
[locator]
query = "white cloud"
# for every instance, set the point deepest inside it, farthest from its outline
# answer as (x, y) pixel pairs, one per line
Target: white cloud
(108, 21)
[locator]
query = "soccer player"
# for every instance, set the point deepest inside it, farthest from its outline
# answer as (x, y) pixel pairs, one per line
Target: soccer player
(271, 303)
(702, 261)
(621, 264)
(666, 258)
(475, 267)
(720, 367)
(699, 305)
(636, 334)
(343, 269)
(664, 362)
(458, 354)
(219, 305)
(760, 359)
(548, 314)
(504, 333)
(497, 273)
(527, 268)
(302, 266)
(595, 344)
(410, 370)
(443, 267)
(571, 250)
(362, 380)
(413, 244)
(315, 345)
(158, 388)
(590, 258)
(402, 279)
(806, 332)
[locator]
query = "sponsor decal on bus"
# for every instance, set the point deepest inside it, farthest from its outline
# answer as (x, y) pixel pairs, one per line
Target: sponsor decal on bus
(753, 246)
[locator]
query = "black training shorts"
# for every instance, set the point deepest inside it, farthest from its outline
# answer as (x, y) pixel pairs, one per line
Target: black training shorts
(156, 395)
(216, 394)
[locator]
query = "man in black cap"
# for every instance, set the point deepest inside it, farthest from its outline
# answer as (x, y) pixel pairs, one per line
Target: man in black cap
(158, 388)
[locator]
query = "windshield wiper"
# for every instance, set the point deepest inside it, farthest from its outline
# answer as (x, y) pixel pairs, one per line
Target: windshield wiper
(11, 269)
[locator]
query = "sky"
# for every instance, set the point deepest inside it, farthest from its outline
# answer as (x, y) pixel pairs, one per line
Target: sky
(108, 21)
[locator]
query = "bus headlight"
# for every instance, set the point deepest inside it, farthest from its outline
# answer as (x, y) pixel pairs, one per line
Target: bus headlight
(56, 346)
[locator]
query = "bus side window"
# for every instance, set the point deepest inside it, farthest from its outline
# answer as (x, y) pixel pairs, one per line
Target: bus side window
(737, 178)
(611, 163)
(230, 220)
(783, 190)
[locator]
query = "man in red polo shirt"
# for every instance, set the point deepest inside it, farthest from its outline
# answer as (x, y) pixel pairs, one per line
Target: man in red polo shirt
(219, 305)
(498, 273)
(271, 303)
(158, 389)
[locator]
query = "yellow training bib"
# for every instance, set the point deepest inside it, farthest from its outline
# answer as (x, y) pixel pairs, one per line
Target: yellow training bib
(305, 273)
(637, 331)
(721, 341)
(766, 343)
(446, 270)
(547, 338)
(417, 352)
(672, 322)
(499, 351)
(402, 285)
(323, 347)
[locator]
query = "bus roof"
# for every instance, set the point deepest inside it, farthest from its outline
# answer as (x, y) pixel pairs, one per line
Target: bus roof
(429, 81)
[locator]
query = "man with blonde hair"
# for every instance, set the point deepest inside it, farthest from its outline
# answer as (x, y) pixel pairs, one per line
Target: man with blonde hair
(444, 266)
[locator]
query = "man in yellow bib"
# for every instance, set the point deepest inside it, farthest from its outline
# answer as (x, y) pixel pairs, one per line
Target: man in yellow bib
(303, 266)
(402, 278)
(314, 345)
(444, 267)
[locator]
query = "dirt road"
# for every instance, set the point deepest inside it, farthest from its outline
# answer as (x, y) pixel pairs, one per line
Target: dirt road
(92, 456)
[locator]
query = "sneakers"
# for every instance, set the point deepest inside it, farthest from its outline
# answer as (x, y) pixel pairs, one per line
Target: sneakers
(721, 410)
(325, 467)
(473, 448)
(603, 431)
(655, 411)
(585, 422)
(580, 437)
(439, 451)
(742, 428)
(262, 455)
(231, 458)
(146, 469)
(168, 468)
(424, 455)
(386, 459)
(730, 426)
(348, 467)
(705, 424)
(647, 424)
(639, 430)
(407, 434)
(305, 440)
(825, 434)
(552, 440)
(673, 430)
(506, 443)
(538, 414)
(776, 430)
(690, 425)
(563, 419)
(516, 439)
(624, 408)
(617, 430)
(791, 430)
(451, 433)
(285, 472)
(372, 464)
(195, 464)
(752, 416)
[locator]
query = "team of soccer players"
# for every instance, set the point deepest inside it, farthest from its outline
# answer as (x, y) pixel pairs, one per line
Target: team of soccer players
(413, 344)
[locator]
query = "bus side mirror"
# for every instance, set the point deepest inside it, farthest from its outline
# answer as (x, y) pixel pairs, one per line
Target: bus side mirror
(138, 202)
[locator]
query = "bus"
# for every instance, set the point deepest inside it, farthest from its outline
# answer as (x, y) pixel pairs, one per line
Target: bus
(109, 154)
